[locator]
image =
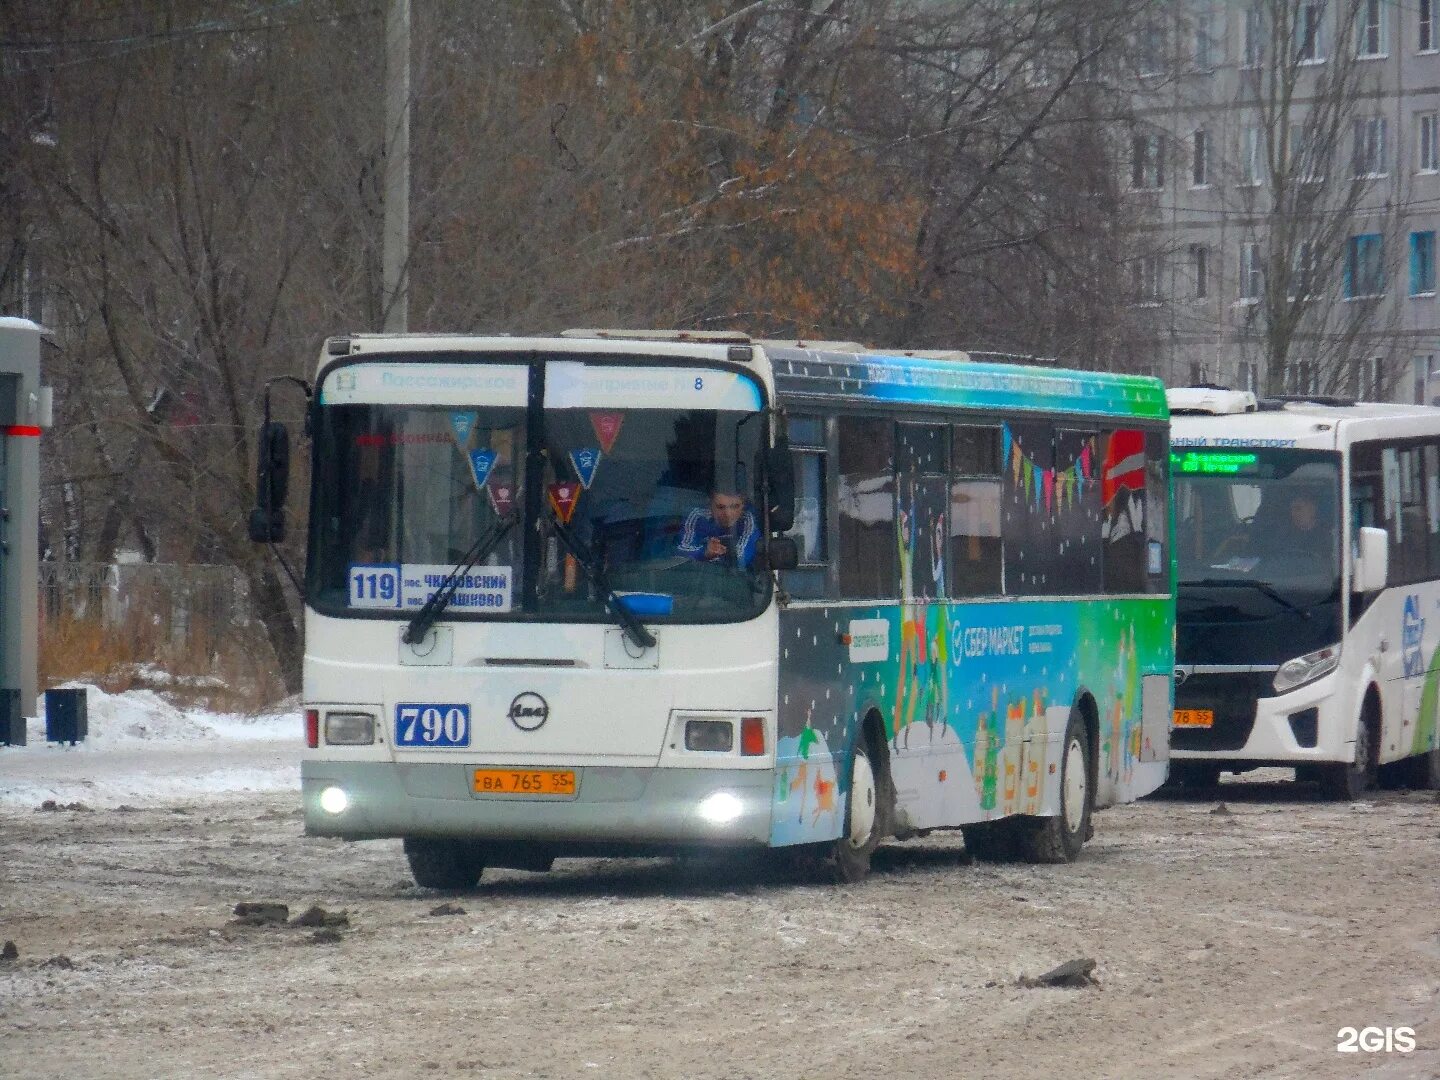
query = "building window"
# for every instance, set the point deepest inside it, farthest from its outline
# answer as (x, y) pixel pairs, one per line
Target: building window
(1199, 158)
(1370, 28)
(1309, 32)
(1204, 41)
(1369, 146)
(1251, 275)
(1302, 271)
(1147, 163)
(1306, 164)
(1303, 377)
(1250, 155)
(1425, 28)
(1426, 129)
(1423, 368)
(1422, 264)
(1200, 265)
(1368, 378)
(1145, 279)
(1254, 35)
(1152, 49)
(1365, 265)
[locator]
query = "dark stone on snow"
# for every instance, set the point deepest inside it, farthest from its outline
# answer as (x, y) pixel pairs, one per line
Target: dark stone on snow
(262, 914)
(1071, 975)
(315, 915)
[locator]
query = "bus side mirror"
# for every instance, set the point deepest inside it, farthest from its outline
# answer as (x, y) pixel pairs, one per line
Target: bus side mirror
(272, 483)
(780, 483)
(780, 553)
(1372, 561)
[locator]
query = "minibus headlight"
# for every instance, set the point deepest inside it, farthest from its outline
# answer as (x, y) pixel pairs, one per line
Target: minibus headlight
(349, 729)
(721, 808)
(333, 800)
(1307, 668)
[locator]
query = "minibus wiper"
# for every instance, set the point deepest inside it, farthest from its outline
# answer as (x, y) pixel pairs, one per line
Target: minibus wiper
(1259, 586)
(431, 610)
(632, 626)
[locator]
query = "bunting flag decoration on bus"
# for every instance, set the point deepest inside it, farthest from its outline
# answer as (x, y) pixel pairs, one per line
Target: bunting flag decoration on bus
(607, 429)
(481, 463)
(463, 423)
(563, 498)
(585, 460)
(502, 497)
(1050, 487)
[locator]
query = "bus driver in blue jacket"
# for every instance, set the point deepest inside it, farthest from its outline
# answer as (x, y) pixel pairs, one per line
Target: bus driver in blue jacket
(724, 532)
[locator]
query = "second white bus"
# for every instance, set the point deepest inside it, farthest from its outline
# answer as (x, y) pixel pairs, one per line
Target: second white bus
(1308, 604)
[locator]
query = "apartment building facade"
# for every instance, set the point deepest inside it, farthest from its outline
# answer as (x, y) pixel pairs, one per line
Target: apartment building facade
(1285, 159)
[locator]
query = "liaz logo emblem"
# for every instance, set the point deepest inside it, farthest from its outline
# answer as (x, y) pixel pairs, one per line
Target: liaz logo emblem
(529, 711)
(1412, 631)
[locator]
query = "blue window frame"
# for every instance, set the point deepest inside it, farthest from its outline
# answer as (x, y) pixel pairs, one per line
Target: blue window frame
(1422, 263)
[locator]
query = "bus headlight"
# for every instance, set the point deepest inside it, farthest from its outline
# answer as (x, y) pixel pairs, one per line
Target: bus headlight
(349, 729)
(1307, 668)
(721, 808)
(333, 800)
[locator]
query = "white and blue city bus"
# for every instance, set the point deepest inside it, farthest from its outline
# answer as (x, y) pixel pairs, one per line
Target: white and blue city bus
(557, 601)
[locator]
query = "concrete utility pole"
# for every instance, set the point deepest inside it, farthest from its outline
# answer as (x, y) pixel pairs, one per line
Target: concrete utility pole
(395, 268)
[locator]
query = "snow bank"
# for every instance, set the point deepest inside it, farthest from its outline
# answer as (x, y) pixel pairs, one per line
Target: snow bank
(143, 750)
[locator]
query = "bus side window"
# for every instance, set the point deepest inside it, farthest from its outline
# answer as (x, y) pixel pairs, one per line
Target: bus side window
(1029, 535)
(975, 559)
(865, 499)
(1157, 511)
(922, 475)
(1431, 454)
(1076, 513)
(1125, 496)
(811, 530)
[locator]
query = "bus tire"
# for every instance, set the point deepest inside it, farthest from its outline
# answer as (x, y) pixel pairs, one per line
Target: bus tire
(865, 815)
(1345, 781)
(1059, 839)
(450, 865)
(1424, 771)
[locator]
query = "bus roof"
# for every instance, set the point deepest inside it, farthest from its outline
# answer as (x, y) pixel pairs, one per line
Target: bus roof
(1305, 424)
(958, 380)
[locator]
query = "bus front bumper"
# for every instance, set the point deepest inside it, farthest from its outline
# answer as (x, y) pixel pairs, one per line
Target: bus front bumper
(641, 806)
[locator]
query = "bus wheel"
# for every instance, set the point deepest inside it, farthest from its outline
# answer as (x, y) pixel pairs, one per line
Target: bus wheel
(1059, 839)
(864, 817)
(1347, 781)
(1424, 771)
(443, 864)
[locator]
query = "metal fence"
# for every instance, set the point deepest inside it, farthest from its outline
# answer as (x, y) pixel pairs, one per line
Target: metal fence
(178, 602)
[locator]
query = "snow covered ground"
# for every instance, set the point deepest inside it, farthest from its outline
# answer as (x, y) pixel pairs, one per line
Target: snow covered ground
(142, 750)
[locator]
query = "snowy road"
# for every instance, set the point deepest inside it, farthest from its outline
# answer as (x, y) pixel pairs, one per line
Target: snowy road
(1233, 944)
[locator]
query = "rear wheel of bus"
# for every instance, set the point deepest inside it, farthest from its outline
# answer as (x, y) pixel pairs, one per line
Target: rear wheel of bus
(443, 864)
(1059, 839)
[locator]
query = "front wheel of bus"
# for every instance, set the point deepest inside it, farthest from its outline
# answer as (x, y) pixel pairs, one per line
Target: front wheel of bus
(864, 818)
(1059, 839)
(443, 864)
(1347, 781)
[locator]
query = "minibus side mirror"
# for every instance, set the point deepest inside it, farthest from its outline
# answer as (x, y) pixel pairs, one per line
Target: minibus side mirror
(779, 553)
(780, 485)
(1371, 567)
(272, 483)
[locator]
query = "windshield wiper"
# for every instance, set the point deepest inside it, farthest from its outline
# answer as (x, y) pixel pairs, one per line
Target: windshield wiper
(431, 610)
(1259, 586)
(632, 626)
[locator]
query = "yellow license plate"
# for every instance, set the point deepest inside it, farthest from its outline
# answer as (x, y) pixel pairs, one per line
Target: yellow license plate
(1194, 718)
(524, 782)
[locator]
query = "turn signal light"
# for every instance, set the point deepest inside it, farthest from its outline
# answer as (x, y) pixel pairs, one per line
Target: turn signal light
(312, 728)
(752, 736)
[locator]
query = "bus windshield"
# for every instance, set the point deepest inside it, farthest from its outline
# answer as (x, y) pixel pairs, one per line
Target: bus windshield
(1258, 545)
(654, 508)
